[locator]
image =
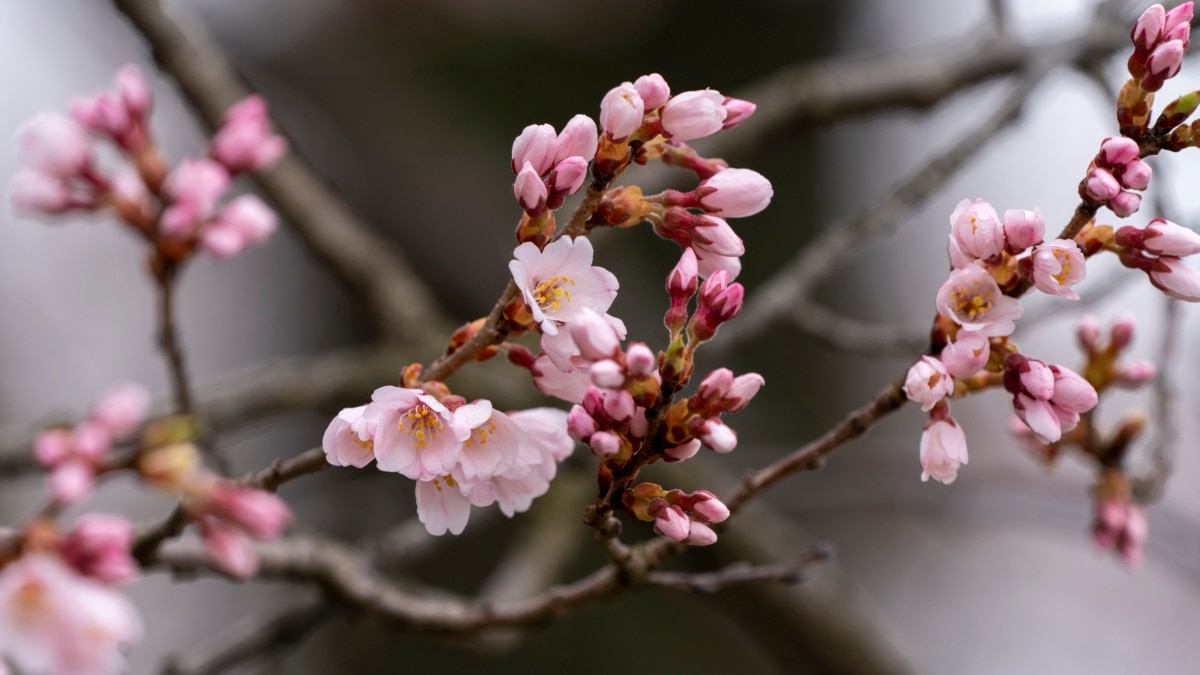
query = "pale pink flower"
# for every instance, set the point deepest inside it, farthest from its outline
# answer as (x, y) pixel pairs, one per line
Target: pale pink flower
(546, 429)
(579, 138)
(737, 111)
(621, 112)
(1136, 175)
(594, 336)
(535, 146)
(193, 188)
(559, 282)
(976, 229)
(1148, 29)
(607, 374)
(1100, 185)
(55, 621)
(735, 193)
(715, 435)
(708, 507)
(105, 113)
(441, 505)
(529, 189)
(604, 444)
(349, 439)
(228, 548)
(928, 382)
(121, 409)
(566, 355)
(971, 298)
(54, 144)
(1125, 204)
(700, 534)
(671, 522)
(1173, 277)
(567, 176)
(1162, 237)
(1072, 392)
(580, 425)
(653, 89)
(1057, 266)
(546, 444)
(967, 355)
(260, 514)
(1036, 379)
(1121, 526)
(568, 385)
(693, 114)
(640, 360)
(681, 453)
(1041, 417)
(493, 445)
(98, 546)
(415, 435)
(245, 141)
(1023, 229)
(36, 192)
(243, 222)
(943, 450)
(1166, 59)
(133, 90)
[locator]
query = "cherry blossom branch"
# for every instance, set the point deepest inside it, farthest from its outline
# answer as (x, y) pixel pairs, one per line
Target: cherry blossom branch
(401, 306)
(791, 286)
(170, 344)
(740, 574)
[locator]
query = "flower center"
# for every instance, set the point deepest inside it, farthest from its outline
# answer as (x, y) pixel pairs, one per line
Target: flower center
(551, 293)
(481, 432)
(450, 482)
(1064, 271)
(421, 424)
(972, 303)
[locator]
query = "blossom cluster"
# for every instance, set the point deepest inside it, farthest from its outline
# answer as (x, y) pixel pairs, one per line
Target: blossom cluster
(178, 209)
(1160, 40)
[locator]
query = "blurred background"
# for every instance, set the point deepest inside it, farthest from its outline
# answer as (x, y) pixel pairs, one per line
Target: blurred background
(409, 108)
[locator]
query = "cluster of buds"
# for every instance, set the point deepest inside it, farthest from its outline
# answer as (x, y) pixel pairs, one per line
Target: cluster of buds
(230, 516)
(1158, 250)
(460, 454)
(74, 455)
(1114, 172)
(1119, 524)
(549, 167)
(178, 209)
(1160, 40)
(678, 515)
(989, 257)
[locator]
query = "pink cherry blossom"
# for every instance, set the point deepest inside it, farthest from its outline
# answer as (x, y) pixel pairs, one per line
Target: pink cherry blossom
(1125, 204)
(530, 189)
(493, 445)
(568, 385)
(193, 188)
(671, 522)
(349, 439)
(55, 145)
(976, 228)
(559, 282)
(1136, 175)
(98, 546)
(1072, 392)
(943, 450)
(1173, 277)
(700, 534)
(653, 89)
(121, 409)
(1100, 185)
(681, 453)
(54, 621)
(441, 505)
(243, 222)
(245, 141)
(715, 435)
(640, 360)
(1023, 229)
(1148, 29)
(737, 111)
(735, 193)
(594, 336)
(36, 192)
(928, 382)
(693, 114)
(1057, 266)
(967, 355)
(415, 435)
(621, 112)
(971, 298)
(535, 146)
(579, 138)
(708, 507)
(1121, 526)
(1162, 237)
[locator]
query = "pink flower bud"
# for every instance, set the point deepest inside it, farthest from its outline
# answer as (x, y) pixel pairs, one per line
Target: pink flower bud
(714, 234)
(134, 92)
(1177, 24)
(700, 535)
(737, 111)
(567, 176)
(653, 89)
(1037, 379)
(682, 453)
(714, 387)
(693, 114)
(91, 441)
(1171, 276)
(52, 446)
(230, 550)
(928, 382)
(1117, 151)
(1100, 185)
(529, 189)
(579, 138)
(1162, 237)
(736, 193)
(535, 145)
(1148, 28)
(621, 112)
(943, 450)
(198, 183)
(1088, 333)
(1122, 331)
(1136, 373)
(604, 444)
(1071, 392)
(37, 192)
(607, 374)
(580, 425)
(683, 279)
(99, 547)
(245, 142)
(672, 523)
(54, 144)
(121, 409)
(709, 263)
(71, 481)
(976, 229)
(1057, 267)
(1125, 204)
(1166, 59)
(1023, 229)
(594, 337)
(1136, 175)
(640, 360)
(717, 436)
(706, 505)
(261, 514)
(967, 355)
(619, 406)
(744, 389)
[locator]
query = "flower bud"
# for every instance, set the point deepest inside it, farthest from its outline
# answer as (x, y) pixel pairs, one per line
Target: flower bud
(1136, 175)
(1117, 151)
(54, 144)
(607, 374)
(735, 193)
(1125, 204)
(928, 382)
(1171, 276)
(693, 114)
(700, 535)
(529, 189)
(580, 425)
(1162, 237)
(1100, 185)
(672, 523)
(1148, 28)
(568, 175)
(640, 361)
(737, 111)
(967, 355)
(653, 89)
(681, 453)
(536, 145)
(604, 444)
(1023, 229)
(621, 112)
(706, 505)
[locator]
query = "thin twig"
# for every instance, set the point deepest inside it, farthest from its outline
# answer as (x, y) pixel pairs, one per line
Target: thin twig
(739, 574)
(401, 306)
(171, 345)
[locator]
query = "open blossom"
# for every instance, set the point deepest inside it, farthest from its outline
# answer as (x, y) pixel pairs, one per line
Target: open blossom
(967, 355)
(415, 435)
(943, 450)
(971, 298)
(975, 228)
(559, 282)
(442, 505)
(1057, 266)
(349, 439)
(54, 621)
(493, 444)
(928, 382)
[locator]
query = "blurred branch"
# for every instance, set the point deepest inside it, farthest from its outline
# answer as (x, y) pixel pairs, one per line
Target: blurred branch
(791, 286)
(1149, 488)
(401, 306)
(253, 637)
(739, 574)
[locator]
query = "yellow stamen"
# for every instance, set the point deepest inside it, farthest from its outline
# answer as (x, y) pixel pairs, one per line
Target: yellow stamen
(423, 425)
(551, 294)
